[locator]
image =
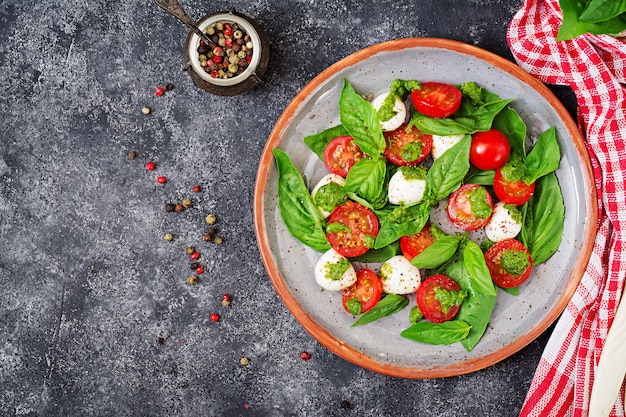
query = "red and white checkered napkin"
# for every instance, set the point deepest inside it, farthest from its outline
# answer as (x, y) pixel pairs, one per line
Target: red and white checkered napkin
(594, 67)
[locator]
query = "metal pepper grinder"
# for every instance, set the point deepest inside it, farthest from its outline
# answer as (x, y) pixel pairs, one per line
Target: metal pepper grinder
(229, 60)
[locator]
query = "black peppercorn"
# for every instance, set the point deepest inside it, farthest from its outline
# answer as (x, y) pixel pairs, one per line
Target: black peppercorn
(194, 265)
(170, 207)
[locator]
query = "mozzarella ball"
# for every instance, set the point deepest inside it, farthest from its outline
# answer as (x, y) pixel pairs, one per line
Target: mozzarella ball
(505, 222)
(334, 272)
(405, 191)
(399, 109)
(443, 143)
(337, 179)
(399, 276)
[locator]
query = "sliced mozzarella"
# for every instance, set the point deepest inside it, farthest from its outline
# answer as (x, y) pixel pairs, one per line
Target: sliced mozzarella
(399, 276)
(502, 224)
(324, 272)
(338, 179)
(443, 143)
(405, 191)
(398, 108)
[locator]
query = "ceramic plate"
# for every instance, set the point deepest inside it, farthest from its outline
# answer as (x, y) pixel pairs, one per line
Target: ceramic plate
(516, 320)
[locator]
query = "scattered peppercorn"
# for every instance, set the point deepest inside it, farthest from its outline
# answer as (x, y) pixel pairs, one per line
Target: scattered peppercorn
(225, 303)
(195, 255)
(169, 237)
(169, 87)
(187, 203)
(207, 237)
(150, 166)
(211, 218)
(193, 279)
(346, 405)
(190, 250)
(131, 155)
(244, 361)
(161, 179)
(200, 270)
(159, 91)
(169, 207)
(305, 356)
(197, 189)
(146, 110)
(218, 240)
(178, 208)
(194, 265)
(160, 340)
(214, 317)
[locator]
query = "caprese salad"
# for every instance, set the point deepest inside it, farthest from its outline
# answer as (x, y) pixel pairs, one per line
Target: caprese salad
(394, 162)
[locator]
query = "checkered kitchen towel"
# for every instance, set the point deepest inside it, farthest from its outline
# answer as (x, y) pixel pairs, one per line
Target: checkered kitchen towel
(594, 67)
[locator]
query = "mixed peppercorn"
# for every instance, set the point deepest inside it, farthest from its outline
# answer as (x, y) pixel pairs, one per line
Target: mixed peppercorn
(230, 52)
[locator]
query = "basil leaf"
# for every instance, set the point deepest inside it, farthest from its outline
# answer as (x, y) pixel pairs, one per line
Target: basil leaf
(441, 251)
(512, 125)
(444, 333)
(297, 209)
(573, 26)
(544, 219)
(388, 305)
(318, 142)
(467, 119)
(476, 309)
(393, 227)
(598, 11)
(367, 179)
(476, 267)
(512, 291)
(379, 255)
(480, 177)
(544, 157)
(359, 118)
(447, 172)
(415, 314)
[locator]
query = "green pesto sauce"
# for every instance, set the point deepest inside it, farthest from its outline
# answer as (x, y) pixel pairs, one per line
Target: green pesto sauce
(398, 88)
(514, 169)
(514, 262)
(354, 306)
(386, 111)
(478, 201)
(473, 92)
(337, 227)
(514, 212)
(368, 241)
(413, 173)
(411, 151)
(335, 271)
(449, 298)
(330, 196)
(385, 271)
(399, 214)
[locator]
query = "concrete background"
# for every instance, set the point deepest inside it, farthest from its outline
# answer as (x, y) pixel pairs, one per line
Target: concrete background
(88, 285)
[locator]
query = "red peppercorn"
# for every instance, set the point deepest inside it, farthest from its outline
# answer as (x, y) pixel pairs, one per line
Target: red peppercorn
(195, 255)
(226, 297)
(199, 269)
(150, 166)
(228, 42)
(159, 91)
(214, 74)
(214, 317)
(305, 356)
(217, 59)
(228, 32)
(161, 179)
(197, 189)
(249, 58)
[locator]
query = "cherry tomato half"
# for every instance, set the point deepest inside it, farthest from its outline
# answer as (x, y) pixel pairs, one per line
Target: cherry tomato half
(470, 207)
(429, 304)
(407, 147)
(362, 224)
(368, 289)
(437, 100)
(341, 154)
(489, 150)
(518, 257)
(512, 192)
(413, 245)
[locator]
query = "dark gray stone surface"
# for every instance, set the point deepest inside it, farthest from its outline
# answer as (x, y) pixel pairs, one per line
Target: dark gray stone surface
(88, 284)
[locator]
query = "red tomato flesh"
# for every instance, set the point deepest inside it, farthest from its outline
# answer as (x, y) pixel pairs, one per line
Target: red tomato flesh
(368, 289)
(470, 207)
(494, 258)
(437, 100)
(428, 301)
(407, 147)
(341, 154)
(413, 245)
(512, 192)
(489, 150)
(362, 224)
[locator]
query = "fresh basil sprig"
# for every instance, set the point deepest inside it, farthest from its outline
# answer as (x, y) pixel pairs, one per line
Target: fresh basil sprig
(591, 16)
(318, 142)
(444, 333)
(388, 305)
(297, 208)
(359, 118)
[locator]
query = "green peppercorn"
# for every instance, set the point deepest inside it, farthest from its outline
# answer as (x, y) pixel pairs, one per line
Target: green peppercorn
(186, 203)
(193, 279)
(210, 30)
(169, 237)
(218, 240)
(131, 155)
(244, 361)
(233, 67)
(190, 250)
(238, 34)
(211, 218)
